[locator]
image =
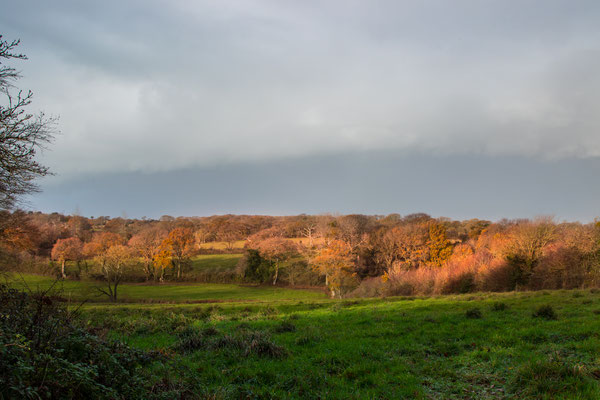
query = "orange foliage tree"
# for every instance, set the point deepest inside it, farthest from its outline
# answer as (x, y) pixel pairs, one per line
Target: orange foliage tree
(147, 245)
(440, 248)
(116, 261)
(64, 250)
(100, 243)
(180, 246)
(336, 262)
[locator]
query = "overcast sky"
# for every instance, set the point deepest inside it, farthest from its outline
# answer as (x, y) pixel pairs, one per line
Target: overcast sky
(459, 108)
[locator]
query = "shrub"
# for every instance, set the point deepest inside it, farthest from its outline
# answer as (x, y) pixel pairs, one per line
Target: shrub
(498, 306)
(545, 312)
(259, 344)
(369, 287)
(44, 354)
(285, 326)
(189, 339)
(473, 313)
(552, 378)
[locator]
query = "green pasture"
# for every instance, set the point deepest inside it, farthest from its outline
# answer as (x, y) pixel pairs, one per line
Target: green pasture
(481, 346)
(184, 292)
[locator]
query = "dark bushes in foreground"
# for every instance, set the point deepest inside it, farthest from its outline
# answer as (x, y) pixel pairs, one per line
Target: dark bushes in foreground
(43, 354)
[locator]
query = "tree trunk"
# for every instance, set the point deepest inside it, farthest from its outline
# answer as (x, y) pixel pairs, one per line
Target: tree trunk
(276, 274)
(115, 292)
(178, 269)
(62, 269)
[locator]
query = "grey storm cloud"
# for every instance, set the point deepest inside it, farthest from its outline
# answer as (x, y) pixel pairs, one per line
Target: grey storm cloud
(158, 86)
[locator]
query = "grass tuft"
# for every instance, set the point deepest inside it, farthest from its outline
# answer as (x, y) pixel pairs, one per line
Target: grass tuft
(474, 313)
(546, 312)
(285, 326)
(499, 306)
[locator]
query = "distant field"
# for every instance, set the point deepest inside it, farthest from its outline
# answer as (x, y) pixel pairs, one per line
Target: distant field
(207, 292)
(240, 243)
(215, 262)
(477, 346)
(213, 268)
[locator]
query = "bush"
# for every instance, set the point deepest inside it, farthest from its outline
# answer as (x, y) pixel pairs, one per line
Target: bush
(43, 354)
(285, 326)
(498, 306)
(553, 378)
(474, 313)
(545, 312)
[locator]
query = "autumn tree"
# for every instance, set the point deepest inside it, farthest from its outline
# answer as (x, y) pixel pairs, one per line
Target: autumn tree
(527, 241)
(336, 262)
(116, 261)
(22, 135)
(147, 245)
(405, 246)
(163, 259)
(64, 250)
(202, 236)
(99, 245)
(80, 227)
(440, 248)
(277, 251)
(180, 244)
(17, 233)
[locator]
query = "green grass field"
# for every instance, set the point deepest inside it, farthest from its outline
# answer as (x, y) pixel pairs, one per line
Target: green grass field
(206, 292)
(215, 262)
(263, 342)
(429, 348)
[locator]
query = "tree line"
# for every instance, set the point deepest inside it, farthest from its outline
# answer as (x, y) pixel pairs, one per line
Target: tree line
(359, 254)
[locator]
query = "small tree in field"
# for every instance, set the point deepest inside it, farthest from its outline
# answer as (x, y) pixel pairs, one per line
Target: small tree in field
(64, 250)
(336, 262)
(180, 244)
(117, 260)
(162, 260)
(276, 250)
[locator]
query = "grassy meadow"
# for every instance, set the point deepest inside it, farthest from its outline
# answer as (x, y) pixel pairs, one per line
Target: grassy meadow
(167, 292)
(263, 342)
(483, 346)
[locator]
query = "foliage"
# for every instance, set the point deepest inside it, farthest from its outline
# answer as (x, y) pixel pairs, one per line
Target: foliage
(473, 313)
(276, 251)
(64, 250)
(254, 268)
(43, 354)
(440, 248)
(546, 312)
(115, 262)
(335, 261)
(179, 244)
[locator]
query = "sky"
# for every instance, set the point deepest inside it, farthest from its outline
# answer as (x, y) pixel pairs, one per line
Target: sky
(462, 109)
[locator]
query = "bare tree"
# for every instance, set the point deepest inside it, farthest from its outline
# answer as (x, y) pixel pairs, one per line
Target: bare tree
(22, 134)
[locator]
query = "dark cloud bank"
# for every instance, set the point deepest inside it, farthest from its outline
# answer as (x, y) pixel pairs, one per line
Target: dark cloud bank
(486, 108)
(374, 183)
